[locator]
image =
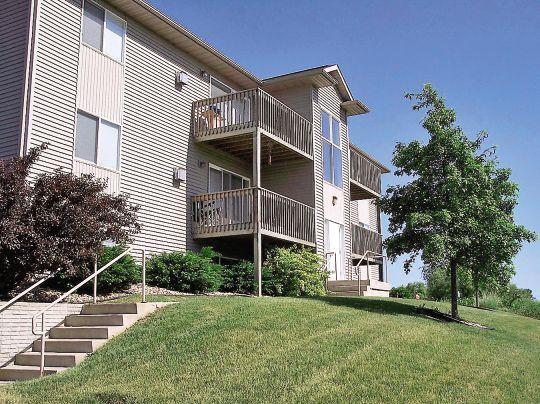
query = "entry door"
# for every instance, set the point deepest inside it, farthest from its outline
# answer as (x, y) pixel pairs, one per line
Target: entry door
(334, 249)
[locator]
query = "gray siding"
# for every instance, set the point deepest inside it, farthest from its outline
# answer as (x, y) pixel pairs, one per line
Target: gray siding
(292, 179)
(329, 99)
(297, 98)
(14, 29)
(354, 212)
(156, 139)
(55, 83)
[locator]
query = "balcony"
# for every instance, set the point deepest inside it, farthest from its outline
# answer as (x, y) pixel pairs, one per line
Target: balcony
(363, 240)
(228, 123)
(365, 175)
(234, 212)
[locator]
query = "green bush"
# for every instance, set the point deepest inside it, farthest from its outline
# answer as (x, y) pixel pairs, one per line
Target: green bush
(527, 307)
(117, 277)
(239, 278)
(293, 272)
(409, 291)
(185, 271)
(490, 301)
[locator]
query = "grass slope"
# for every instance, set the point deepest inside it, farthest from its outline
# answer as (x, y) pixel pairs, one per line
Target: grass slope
(301, 350)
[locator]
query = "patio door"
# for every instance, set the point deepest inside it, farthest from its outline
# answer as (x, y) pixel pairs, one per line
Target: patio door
(334, 240)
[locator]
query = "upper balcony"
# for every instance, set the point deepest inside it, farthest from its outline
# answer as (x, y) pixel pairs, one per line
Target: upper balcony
(365, 175)
(228, 123)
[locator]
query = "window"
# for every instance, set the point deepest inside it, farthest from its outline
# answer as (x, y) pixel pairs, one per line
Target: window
(217, 88)
(97, 141)
(332, 161)
(222, 180)
(104, 31)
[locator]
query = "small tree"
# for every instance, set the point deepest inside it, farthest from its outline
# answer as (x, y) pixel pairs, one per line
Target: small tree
(55, 223)
(457, 207)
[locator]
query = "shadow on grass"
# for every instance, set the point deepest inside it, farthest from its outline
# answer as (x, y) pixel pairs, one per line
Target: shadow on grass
(372, 305)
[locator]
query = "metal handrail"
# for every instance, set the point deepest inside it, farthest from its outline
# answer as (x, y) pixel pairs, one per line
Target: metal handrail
(24, 292)
(41, 313)
(366, 255)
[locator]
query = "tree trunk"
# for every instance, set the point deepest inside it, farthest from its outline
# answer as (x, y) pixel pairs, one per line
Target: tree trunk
(453, 288)
(477, 304)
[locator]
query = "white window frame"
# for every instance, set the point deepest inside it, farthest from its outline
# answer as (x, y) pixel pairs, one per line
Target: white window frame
(100, 120)
(103, 32)
(218, 168)
(332, 145)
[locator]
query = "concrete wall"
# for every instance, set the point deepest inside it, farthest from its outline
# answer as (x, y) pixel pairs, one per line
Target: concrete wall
(16, 325)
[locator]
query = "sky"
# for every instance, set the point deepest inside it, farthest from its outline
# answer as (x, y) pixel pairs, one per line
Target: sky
(482, 56)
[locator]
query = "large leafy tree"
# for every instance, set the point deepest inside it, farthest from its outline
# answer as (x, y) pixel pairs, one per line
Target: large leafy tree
(55, 222)
(456, 210)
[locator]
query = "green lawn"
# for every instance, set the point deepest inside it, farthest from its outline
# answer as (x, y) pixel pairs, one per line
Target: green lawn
(236, 349)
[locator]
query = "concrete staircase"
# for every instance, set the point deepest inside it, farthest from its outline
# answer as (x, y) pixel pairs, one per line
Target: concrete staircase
(80, 334)
(347, 288)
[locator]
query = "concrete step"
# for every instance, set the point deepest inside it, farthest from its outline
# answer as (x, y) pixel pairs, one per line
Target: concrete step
(112, 308)
(346, 287)
(84, 332)
(57, 359)
(347, 293)
(69, 345)
(348, 282)
(80, 320)
(17, 372)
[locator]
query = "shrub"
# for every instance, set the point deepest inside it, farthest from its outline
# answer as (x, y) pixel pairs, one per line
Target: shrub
(527, 307)
(512, 293)
(185, 271)
(118, 276)
(57, 221)
(409, 291)
(402, 292)
(239, 278)
(490, 301)
(293, 272)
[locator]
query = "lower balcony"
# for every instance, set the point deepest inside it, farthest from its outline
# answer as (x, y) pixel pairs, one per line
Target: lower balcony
(364, 240)
(233, 213)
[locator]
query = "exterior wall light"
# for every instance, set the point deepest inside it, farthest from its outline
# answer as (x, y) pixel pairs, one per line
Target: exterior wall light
(181, 79)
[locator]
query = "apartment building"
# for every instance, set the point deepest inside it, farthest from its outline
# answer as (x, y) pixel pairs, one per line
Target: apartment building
(213, 154)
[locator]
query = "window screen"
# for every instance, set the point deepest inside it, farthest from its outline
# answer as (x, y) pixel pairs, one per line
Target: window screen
(86, 137)
(93, 19)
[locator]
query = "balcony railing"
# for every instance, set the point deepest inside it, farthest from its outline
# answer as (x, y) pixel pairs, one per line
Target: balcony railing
(251, 109)
(365, 172)
(233, 213)
(365, 240)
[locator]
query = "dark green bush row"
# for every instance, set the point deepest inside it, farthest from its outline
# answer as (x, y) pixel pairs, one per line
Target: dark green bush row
(525, 307)
(118, 276)
(286, 272)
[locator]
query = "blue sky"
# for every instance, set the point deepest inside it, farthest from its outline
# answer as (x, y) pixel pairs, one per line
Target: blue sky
(483, 56)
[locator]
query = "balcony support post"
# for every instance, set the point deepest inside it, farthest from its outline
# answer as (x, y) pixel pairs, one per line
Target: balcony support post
(257, 238)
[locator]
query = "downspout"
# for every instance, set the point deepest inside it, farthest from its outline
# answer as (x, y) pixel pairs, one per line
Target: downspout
(31, 54)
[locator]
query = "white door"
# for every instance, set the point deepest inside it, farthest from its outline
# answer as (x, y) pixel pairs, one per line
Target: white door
(334, 250)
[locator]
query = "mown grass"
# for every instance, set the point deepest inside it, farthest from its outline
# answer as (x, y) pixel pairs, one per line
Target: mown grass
(234, 349)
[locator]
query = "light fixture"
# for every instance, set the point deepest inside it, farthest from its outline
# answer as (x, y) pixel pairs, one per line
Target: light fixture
(181, 79)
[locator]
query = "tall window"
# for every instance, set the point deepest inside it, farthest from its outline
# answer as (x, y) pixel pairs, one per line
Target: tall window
(97, 141)
(104, 31)
(222, 180)
(333, 165)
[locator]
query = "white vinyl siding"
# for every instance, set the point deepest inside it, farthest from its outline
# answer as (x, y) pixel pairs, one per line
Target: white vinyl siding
(14, 28)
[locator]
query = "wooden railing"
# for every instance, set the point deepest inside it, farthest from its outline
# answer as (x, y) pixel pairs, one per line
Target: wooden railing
(285, 216)
(365, 172)
(233, 212)
(365, 240)
(223, 212)
(250, 109)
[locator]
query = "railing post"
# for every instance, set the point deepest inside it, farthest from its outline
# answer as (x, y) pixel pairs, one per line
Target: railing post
(143, 292)
(42, 355)
(95, 279)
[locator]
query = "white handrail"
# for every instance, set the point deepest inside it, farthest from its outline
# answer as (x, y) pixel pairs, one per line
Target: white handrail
(69, 292)
(367, 255)
(24, 292)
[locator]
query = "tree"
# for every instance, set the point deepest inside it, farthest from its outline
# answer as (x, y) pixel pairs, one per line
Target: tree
(457, 209)
(438, 283)
(57, 222)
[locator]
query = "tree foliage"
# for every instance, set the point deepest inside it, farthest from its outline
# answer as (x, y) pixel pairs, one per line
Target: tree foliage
(457, 208)
(56, 222)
